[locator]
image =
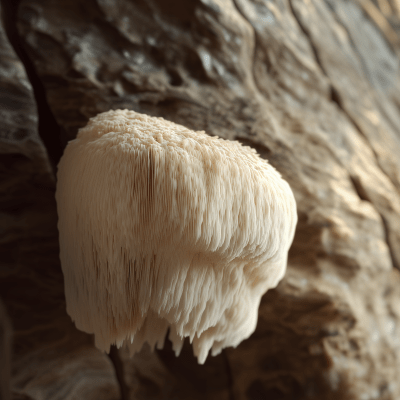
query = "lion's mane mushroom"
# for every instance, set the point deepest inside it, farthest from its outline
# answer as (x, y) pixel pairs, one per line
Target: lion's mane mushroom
(163, 227)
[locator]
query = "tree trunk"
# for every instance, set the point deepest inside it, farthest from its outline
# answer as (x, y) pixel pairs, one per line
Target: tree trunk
(312, 85)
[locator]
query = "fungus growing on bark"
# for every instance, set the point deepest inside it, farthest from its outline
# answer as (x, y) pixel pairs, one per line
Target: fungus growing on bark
(163, 227)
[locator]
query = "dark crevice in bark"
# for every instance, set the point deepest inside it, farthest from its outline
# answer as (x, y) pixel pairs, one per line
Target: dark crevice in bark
(359, 189)
(256, 45)
(49, 131)
(6, 350)
(387, 232)
(119, 372)
(362, 194)
(336, 98)
(230, 375)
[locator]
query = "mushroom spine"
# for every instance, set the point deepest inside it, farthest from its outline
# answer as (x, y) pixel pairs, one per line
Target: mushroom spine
(164, 227)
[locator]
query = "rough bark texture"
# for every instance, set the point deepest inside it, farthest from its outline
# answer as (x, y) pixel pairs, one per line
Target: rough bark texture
(50, 358)
(313, 86)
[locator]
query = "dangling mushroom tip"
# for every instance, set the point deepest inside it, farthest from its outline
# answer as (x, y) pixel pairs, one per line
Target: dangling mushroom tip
(154, 189)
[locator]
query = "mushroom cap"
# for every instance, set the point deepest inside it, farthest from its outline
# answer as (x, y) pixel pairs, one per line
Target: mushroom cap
(164, 227)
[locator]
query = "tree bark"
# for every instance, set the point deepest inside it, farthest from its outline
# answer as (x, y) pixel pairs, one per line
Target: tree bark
(312, 85)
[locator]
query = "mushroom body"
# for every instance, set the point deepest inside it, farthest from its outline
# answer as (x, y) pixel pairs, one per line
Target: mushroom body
(164, 227)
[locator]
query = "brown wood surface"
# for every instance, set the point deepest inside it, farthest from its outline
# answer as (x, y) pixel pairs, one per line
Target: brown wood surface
(312, 85)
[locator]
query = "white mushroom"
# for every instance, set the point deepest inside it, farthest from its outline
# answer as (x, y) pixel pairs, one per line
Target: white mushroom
(163, 227)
